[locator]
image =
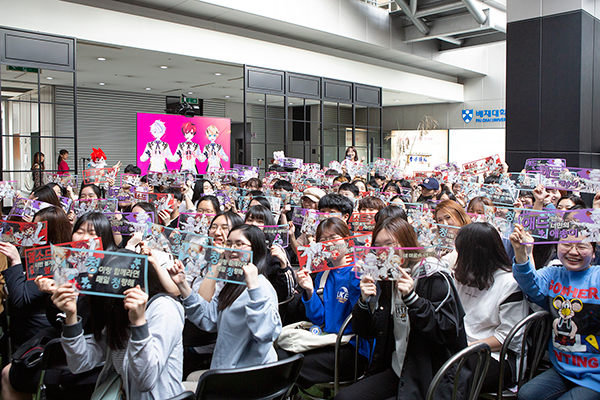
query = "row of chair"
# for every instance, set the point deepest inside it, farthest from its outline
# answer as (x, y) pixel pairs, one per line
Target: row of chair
(275, 380)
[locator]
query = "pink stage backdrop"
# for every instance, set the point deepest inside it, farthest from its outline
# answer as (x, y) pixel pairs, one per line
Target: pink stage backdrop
(153, 151)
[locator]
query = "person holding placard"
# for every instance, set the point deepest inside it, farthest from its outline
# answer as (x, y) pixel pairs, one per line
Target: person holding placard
(138, 338)
(245, 314)
(569, 293)
(424, 308)
(329, 310)
(491, 297)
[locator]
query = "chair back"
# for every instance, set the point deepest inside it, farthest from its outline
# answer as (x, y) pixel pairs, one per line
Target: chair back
(260, 382)
(534, 332)
(452, 370)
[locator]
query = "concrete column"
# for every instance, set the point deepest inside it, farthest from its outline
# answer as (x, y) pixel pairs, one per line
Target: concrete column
(552, 79)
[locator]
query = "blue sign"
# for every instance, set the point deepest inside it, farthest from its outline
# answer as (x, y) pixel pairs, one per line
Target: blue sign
(498, 115)
(467, 115)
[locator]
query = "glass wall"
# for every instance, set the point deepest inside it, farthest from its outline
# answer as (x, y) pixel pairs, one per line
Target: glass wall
(305, 125)
(29, 106)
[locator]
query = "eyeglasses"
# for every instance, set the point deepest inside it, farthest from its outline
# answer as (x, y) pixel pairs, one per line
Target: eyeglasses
(580, 247)
(214, 228)
(237, 245)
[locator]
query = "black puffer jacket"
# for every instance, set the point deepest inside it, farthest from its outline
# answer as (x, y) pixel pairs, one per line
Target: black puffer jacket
(434, 335)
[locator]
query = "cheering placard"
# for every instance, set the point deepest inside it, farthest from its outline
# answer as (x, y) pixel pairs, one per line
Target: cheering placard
(38, 260)
(100, 273)
(98, 176)
(492, 165)
(331, 254)
(226, 264)
(571, 226)
(362, 221)
(162, 201)
(23, 207)
(121, 193)
(63, 180)
(131, 180)
(279, 233)
(385, 263)
(195, 222)
(7, 189)
(129, 223)
(24, 234)
(537, 164)
(85, 206)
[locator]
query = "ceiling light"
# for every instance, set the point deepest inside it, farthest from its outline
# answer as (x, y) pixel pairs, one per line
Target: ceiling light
(49, 78)
(190, 92)
(217, 74)
(291, 104)
(163, 67)
(260, 99)
(397, 101)
(102, 84)
(226, 97)
(148, 88)
(101, 59)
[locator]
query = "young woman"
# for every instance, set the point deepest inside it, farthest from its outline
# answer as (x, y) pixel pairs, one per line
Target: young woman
(37, 169)
(569, 201)
(491, 298)
(63, 167)
(28, 304)
(139, 341)
(568, 292)
(278, 268)
(449, 212)
(208, 205)
(246, 315)
(202, 187)
(340, 292)
(89, 191)
(425, 304)
(46, 194)
(219, 228)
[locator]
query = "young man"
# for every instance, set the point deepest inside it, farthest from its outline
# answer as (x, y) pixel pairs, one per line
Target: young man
(336, 203)
(349, 190)
(429, 189)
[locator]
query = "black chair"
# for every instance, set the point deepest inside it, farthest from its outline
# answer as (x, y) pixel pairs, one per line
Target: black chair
(336, 384)
(453, 370)
(536, 331)
(261, 382)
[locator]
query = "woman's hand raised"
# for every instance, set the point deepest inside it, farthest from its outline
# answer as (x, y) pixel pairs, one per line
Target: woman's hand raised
(135, 302)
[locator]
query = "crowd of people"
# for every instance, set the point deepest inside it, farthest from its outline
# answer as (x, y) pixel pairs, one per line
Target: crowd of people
(455, 275)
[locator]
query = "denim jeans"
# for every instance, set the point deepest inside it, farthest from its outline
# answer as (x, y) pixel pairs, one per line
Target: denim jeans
(553, 386)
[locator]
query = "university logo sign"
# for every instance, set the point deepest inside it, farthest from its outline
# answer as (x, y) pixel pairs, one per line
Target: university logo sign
(467, 115)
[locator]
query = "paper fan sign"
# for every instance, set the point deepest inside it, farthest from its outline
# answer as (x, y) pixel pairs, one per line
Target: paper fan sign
(385, 263)
(100, 273)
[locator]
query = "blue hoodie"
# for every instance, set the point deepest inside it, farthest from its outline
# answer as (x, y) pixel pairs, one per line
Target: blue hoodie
(340, 294)
(573, 300)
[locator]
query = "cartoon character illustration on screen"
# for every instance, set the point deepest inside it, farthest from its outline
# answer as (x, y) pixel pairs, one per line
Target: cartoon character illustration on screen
(30, 235)
(563, 327)
(188, 152)
(157, 151)
(98, 159)
(213, 152)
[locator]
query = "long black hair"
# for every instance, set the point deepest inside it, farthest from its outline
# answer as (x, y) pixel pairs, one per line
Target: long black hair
(213, 200)
(95, 188)
(231, 291)
(110, 313)
(46, 194)
(262, 213)
(199, 189)
(480, 253)
(101, 226)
